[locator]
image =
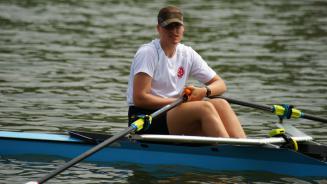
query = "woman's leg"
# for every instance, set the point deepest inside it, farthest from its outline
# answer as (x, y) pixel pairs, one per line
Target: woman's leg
(229, 118)
(196, 118)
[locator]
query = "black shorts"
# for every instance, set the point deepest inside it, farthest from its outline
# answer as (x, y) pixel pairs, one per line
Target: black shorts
(158, 124)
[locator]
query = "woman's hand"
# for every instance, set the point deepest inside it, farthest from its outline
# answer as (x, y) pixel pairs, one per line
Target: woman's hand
(197, 93)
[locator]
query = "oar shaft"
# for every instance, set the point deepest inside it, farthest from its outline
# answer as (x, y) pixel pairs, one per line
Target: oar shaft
(269, 108)
(135, 126)
(167, 107)
(314, 118)
(86, 154)
(247, 104)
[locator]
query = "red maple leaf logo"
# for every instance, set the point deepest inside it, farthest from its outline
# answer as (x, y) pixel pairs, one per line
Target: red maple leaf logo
(180, 72)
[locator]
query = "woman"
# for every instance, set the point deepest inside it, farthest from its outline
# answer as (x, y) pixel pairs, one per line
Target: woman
(159, 73)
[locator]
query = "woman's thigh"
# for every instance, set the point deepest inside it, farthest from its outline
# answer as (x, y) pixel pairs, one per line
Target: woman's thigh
(186, 118)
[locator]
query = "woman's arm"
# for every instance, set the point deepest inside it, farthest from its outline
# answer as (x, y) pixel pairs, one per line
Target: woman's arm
(216, 85)
(142, 93)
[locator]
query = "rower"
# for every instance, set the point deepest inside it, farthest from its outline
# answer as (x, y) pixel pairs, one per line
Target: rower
(159, 73)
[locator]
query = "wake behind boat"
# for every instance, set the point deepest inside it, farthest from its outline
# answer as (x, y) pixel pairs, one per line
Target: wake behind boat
(213, 154)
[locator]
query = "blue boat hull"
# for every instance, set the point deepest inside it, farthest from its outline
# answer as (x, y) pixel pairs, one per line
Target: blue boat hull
(214, 158)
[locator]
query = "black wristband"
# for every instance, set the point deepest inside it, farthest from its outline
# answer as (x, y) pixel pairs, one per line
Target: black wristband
(208, 91)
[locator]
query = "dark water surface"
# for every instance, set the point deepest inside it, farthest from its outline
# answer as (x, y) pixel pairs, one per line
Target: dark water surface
(65, 65)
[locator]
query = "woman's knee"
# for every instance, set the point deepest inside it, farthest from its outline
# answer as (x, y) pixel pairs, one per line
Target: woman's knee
(220, 103)
(207, 107)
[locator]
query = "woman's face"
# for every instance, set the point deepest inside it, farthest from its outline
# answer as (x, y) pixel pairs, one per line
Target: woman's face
(172, 33)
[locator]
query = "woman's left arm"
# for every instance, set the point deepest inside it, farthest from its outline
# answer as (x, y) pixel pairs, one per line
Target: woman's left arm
(216, 86)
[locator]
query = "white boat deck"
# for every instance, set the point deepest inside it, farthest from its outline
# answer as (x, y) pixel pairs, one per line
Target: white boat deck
(215, 140)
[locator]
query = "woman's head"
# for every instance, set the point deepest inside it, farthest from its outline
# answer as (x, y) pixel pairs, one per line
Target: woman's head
(170, 24)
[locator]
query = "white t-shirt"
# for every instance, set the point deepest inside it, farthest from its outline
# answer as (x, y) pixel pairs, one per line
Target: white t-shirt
(169, 75)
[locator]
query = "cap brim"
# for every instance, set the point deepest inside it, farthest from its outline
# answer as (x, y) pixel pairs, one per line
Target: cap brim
(169, 21)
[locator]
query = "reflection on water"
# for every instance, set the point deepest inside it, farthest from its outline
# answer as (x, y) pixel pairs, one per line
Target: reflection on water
(127, 173)
(37, 168)
(65, 64)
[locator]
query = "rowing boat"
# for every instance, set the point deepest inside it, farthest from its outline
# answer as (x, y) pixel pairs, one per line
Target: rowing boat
(211, 154)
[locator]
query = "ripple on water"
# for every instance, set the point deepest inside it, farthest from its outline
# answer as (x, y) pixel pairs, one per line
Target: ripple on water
(65, 65)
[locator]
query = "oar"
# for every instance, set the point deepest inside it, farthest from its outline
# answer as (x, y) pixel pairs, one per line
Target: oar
(135, 126)
(283, 111)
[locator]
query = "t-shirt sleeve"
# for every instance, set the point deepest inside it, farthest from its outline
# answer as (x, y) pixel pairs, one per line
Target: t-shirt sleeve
(200, 69)
(144, 61)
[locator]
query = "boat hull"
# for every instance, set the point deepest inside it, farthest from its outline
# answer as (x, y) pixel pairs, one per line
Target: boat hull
(213, 158)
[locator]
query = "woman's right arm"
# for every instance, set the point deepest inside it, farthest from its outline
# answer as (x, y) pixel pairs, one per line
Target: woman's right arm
(142, 96)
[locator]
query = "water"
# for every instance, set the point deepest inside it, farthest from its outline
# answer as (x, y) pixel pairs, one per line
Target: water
(65, 64)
